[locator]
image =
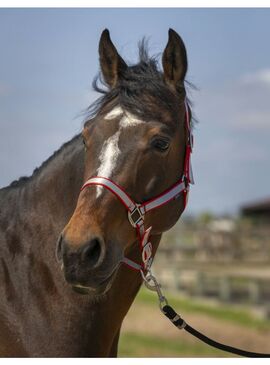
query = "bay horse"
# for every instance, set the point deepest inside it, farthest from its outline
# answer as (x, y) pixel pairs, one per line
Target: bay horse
(64, 290)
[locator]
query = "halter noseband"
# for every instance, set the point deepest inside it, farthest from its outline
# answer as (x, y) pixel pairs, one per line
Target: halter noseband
(136, 211)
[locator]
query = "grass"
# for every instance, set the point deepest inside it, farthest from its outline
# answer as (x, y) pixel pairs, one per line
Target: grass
(222, 312)
(135, 345)
(140, 344)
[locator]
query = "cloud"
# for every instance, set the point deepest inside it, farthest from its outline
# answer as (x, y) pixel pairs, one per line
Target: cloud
(240, 105)
(231, 149)
(253, 120)
(258, 77)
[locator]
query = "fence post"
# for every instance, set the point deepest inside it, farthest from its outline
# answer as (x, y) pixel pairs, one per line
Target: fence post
(225, 288)
(254, 291)
(200, 284)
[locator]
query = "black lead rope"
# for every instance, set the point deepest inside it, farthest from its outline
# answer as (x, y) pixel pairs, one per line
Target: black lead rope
(152, 284)
(181, 324)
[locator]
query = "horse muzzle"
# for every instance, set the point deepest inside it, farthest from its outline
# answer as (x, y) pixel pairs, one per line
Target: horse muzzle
(89, 267)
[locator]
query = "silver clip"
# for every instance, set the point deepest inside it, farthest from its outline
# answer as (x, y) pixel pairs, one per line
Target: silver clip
(152, 284)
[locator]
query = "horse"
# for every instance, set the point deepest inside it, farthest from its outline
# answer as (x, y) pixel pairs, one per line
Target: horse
(65, 288)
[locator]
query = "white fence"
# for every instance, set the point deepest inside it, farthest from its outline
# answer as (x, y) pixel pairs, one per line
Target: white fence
(228, 266)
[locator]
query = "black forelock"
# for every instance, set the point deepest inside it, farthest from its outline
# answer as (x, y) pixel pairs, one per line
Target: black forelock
(141, 90)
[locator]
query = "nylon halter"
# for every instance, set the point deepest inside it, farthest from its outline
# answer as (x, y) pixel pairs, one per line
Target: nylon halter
(136, 212)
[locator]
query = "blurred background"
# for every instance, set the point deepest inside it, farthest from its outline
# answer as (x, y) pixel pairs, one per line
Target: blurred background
(214, 264)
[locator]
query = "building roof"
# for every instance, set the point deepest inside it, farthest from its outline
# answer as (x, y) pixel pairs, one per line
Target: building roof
(258, 206)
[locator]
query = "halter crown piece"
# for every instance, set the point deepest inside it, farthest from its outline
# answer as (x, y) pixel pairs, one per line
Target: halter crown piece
(136, 212)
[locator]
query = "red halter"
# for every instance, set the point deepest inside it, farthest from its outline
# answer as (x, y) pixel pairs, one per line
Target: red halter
(136, 211)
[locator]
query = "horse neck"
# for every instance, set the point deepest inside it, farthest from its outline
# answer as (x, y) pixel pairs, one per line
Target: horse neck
(35, 212)
(57, 186)
(44, 202)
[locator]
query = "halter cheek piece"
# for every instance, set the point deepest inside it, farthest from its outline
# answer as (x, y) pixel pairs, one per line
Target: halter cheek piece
(136, 212)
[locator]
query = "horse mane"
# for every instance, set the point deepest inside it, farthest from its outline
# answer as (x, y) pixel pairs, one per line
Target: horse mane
(144, 77)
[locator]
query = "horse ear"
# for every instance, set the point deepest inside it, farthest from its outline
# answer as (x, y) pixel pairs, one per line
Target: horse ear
(112, 65)
(174, 60)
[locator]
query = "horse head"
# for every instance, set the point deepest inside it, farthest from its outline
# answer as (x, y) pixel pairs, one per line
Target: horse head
(137, 139)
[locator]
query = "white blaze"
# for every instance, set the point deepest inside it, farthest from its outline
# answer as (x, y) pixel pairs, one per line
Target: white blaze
(129, 120)
(110, 149)
(115, 112)
(108, 158)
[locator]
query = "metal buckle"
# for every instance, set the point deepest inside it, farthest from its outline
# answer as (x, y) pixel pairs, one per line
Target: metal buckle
(135, 216)
(146, 253)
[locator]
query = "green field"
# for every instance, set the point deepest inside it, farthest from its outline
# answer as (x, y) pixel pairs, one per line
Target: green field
(222, 312)
(138, 343)
(134, 345)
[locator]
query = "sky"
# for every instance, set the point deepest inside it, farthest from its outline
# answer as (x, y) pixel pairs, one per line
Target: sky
(50, 56)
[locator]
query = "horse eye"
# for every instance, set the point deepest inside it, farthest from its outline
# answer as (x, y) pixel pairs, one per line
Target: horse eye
(160, 144)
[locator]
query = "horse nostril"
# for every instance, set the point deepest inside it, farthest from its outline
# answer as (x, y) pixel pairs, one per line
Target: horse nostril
(91, 253)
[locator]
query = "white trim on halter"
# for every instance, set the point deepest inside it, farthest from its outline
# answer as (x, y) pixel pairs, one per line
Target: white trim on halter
(165, 197)
(113, 187)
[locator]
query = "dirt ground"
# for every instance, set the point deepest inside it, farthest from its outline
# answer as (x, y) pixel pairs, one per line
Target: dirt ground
(143, 319)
